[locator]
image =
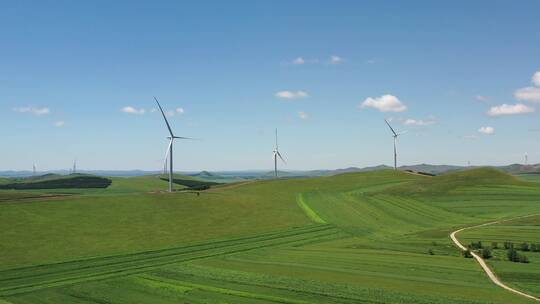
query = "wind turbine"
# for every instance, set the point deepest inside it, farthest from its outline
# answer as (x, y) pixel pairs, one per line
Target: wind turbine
(395, 140)
(276, 155)
(34, 170)
(169, 152)
(526, 158)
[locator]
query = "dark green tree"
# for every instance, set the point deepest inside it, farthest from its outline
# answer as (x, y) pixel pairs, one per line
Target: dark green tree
(486, 253)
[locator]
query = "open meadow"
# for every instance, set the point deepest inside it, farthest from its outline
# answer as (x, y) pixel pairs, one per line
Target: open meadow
(374, 237)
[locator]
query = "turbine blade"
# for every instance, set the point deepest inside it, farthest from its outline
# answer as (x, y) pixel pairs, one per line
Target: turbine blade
(164, 117)
(180, 137)
(390, 128)
(276, 140)
(279, 154)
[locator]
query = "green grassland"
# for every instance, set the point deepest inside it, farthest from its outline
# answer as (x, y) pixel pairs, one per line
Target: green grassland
(519, 231)
(375, 237)
(533, 177)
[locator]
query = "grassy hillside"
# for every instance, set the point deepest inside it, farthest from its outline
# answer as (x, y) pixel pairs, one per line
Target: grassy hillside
(376, 237)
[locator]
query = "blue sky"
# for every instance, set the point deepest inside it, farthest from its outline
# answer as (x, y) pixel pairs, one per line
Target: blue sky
(239, 69)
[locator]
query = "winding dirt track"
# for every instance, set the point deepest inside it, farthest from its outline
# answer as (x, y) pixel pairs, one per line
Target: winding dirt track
(483, 264)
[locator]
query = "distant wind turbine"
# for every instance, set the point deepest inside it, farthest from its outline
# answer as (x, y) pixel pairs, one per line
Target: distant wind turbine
(276, 155)
(526, 158)
(169, 152)
(395, 135)
(74, 166)
(34, 170)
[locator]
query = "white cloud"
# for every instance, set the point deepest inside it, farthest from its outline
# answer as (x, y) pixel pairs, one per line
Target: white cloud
(371, 61)
(153, 110)
(298, 61)
(385, 103)
(33, 110)
(335, 59)
(419, 122)
(177, 111)
(132, 110)
(291, 94)
(482, 98)
(536, 79)
(59, 123)
(506, 109)
(486, 130)
(303, 115)
(528, 94)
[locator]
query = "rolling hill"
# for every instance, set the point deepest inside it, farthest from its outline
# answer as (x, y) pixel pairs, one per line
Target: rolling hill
(360, 237)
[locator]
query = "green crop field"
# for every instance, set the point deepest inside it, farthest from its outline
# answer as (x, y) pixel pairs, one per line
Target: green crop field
(375, 237)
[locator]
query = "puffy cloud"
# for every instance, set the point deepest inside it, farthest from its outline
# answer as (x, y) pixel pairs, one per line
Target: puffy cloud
(385, 103)
(486, 130)
(506, 109)
(291, 94)
(132, 110)
(303, 115)
(482, 98)
(177, 111)
(335, 59)
(536, 79)
(528, 94)
(298, 61)
(419, 122)
(33, 110)
(59, 123)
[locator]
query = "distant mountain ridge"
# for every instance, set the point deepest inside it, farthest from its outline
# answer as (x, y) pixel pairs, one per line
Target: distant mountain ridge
(229, 176)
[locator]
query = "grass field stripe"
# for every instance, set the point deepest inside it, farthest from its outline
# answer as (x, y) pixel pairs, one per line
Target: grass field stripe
(483, 264)
(252, 244)
(165, 251)
(308, 211)
(114, 274)
(243, 294)
(138, 269)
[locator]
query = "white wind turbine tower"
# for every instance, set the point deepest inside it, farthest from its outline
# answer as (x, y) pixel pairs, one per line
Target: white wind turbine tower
(169, 152)
(526, 158)
(34, 170)
(395, 135)
(275, 156)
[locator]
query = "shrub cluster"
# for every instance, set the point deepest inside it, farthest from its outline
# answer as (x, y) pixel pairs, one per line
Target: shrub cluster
(475, 245)
(80, 181)
(508, 245)
(486, 253)
(514, 256)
